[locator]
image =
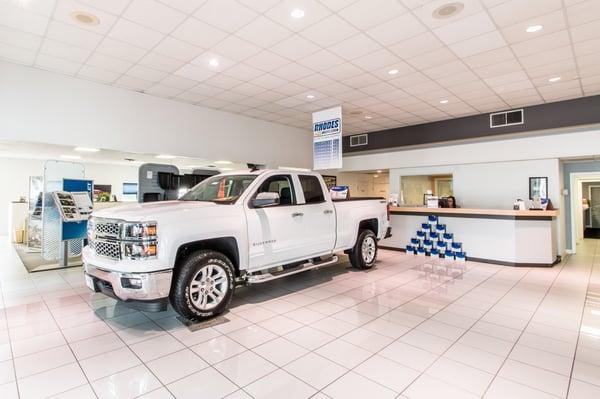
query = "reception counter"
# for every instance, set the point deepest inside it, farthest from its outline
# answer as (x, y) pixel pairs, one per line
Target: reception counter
(506, 237)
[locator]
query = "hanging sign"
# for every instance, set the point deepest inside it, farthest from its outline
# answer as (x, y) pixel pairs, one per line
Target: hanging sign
(327, 139)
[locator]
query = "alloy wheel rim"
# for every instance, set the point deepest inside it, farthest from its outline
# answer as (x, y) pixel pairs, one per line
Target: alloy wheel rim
(208, 287)
(368, 249)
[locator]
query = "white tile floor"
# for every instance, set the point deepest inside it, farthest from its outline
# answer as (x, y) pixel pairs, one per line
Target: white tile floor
(409, 328)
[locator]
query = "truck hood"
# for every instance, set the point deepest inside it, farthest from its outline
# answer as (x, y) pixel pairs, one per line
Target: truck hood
(152, 211)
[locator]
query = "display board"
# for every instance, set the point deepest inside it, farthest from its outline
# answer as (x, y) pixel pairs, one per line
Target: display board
(327, 139)
(73, 207)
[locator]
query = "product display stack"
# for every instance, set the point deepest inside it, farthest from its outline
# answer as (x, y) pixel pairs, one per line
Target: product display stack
(434, 240)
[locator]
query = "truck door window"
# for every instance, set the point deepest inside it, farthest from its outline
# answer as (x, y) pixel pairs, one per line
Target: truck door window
(311, 187)
(282, 185)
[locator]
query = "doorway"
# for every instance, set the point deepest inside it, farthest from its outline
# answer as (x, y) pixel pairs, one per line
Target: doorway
(591, 204)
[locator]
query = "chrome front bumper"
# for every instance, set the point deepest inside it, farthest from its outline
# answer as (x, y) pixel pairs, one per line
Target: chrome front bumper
(154, 285)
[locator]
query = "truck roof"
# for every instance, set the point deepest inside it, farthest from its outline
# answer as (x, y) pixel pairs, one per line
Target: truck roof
(262, 171)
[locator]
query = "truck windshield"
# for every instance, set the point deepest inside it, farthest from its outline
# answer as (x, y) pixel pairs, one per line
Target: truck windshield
(220, 189)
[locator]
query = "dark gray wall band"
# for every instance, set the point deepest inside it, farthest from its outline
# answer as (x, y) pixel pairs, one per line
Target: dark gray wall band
(580, 111)
(474, 216)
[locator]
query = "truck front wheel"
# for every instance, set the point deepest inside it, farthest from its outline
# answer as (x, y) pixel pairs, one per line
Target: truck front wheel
(364, 253)
(203, 285)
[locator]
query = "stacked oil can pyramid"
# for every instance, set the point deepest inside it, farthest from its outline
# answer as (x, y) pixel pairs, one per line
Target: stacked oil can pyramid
(434, 240)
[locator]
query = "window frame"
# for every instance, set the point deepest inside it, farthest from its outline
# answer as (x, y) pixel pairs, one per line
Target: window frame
(292, 189)
(320, 183)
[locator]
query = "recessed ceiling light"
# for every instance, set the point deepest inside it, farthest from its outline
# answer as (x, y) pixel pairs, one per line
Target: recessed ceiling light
(213, 62)
(554, 79)
(297, 13)
(70, 156)
(443, 101)
(375, 175)
(166, 156)
(85, 18)
(448, 10)
(368, 117)
(393, 71)
(86, 149)
(379, 171)
(310, 96)
(223, 162)
(534, 28)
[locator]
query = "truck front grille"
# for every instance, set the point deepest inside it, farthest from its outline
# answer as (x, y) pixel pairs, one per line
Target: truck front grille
(107, 229)
(106, 249)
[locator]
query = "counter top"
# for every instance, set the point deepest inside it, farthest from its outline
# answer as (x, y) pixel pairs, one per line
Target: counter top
(476, 213)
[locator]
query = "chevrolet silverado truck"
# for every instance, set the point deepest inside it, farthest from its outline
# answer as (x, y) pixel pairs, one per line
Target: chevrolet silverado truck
(233, 229)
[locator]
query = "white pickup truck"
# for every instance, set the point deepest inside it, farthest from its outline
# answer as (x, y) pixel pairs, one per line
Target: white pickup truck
(232, 229)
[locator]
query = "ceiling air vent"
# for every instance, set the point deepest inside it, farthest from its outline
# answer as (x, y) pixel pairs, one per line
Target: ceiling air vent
(358, 140)
(508, 118)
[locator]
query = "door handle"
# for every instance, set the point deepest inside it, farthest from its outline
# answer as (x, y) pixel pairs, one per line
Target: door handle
(328, 211)
(296, 214)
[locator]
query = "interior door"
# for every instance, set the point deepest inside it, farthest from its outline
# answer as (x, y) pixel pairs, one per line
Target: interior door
(276, 233)
(595, 206)
(319, 220)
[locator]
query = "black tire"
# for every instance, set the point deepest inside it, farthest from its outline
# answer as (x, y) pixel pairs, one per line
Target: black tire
(358, 257)
(183, 298)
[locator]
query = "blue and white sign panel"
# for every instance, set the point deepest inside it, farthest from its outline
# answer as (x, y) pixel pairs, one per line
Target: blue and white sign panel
(327, 139)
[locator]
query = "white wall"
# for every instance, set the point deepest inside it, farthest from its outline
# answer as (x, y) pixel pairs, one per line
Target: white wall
(45, 107)
(15, 173)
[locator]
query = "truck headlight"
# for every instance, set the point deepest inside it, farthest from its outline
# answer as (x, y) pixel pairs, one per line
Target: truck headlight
(139, 250)
(139, 231)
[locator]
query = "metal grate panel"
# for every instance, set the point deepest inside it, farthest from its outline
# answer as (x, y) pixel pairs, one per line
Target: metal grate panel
(106, 249)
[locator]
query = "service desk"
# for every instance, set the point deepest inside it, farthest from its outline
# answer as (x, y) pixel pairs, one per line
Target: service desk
(507, 237)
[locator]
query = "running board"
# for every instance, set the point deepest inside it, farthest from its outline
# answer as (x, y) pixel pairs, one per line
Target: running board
(263, 278)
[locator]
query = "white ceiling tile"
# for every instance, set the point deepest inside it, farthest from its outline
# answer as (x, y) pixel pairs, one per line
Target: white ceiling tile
(263, 32)
(566, 76)
(583, 12)
(292, 72)
(259, 5)
(479, 44)
(179, 82)
(315, 81)
(552, 22)
(248, 89)
(206, 90)
(448, 69)
(177, 49)
(135, 34)
(361, 80)
(266, 61)
(268, 81)
(13, 16)
(457, 79)
(149, 74)
(223, 81)
(190, 97)
(402, 67)
(313, 13)
(270, 95)
(98, 74)
(162, 91)
(414, 46)
(57, 64)
(409, 79)
(71, 35)
(364, 15)
(355, 47)
(425, 12)
(115, 7)
(109, 63)
(133, 83)
(194, 72)
(587, 31)
(520, 85)
(289, 102)
(331, 30)
(198, 33)
(506, 79)
(335, 89)
(236, 48)
(243, 72)
(204, 60)
(342, 71)
(587, 47)
(547, 57)
(65, 9)
(64, 51)
(490, 57)
(154, 15)
(514, 11)
(119, 49)
(587, 61)
(378, 88)
(433, 58)
(465, 28)
(236, 108)
(553, 69)
(187, 6)
(377, 60)
(397, 29)
(423, 87)
(295, 47)
(539, 44)
(321, 60)
(214, 103)
(19, 38)
(228, 15)
(160, 62)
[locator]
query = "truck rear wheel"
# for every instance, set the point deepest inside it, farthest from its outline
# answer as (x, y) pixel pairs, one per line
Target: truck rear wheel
(364, 253)
(203, 286)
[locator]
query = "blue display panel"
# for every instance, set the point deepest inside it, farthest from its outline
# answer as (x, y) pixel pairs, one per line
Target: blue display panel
(76, 230)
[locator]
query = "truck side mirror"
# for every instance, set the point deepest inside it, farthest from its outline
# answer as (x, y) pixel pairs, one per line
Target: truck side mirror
(265, 199)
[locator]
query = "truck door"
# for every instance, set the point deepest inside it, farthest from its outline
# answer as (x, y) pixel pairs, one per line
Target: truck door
(319, 216)
(275, 233)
